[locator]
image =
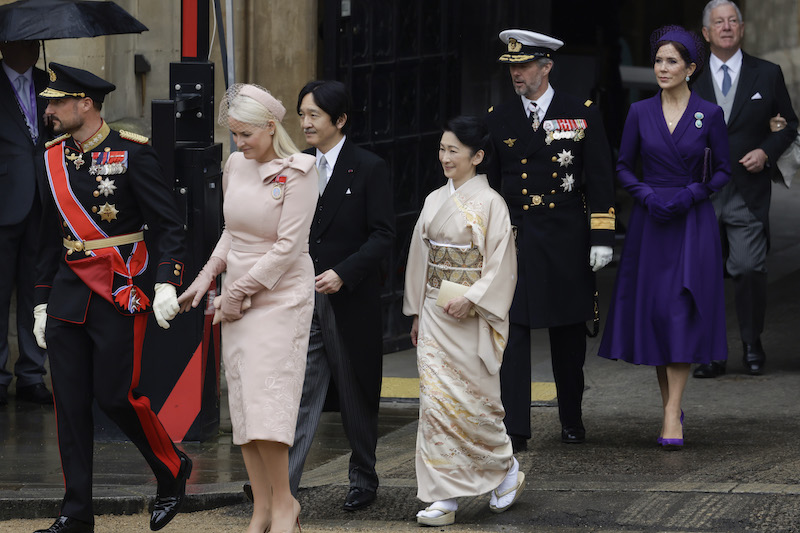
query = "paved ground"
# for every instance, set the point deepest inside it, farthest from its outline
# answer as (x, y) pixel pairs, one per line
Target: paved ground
(739, 471)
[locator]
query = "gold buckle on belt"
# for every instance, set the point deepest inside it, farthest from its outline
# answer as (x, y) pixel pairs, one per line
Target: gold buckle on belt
(119, 240)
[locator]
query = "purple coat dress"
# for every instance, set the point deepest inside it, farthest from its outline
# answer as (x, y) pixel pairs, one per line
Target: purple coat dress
(669, 304)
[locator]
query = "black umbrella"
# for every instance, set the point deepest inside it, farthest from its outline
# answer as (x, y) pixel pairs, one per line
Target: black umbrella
(31, 20)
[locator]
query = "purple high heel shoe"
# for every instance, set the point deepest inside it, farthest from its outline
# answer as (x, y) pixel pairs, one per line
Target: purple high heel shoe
(671, 445)
(661, 439)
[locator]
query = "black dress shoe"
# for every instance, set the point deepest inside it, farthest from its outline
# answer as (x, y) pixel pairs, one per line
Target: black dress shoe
(358, 499)
(573, 435)
(518, 444)
(65, 524)
(168, 502)
(247, 488)
(711, 370)
(37, 393)
(754, 358)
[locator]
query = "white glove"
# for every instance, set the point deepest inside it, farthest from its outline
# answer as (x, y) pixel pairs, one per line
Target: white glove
(39, 323)
(165, 304)
(600, 256)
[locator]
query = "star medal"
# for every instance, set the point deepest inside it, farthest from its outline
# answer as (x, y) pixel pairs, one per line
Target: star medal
(568, 183)
(565, 158)
(106, 186)
(277, 188)
(108, 212)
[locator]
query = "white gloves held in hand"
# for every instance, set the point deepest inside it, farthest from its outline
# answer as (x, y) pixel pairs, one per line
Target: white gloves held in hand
(600, 256)
(165, 304)
(39, 323)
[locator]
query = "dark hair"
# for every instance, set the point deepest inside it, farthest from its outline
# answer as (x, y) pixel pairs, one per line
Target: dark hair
(330, 96)
(473, 133)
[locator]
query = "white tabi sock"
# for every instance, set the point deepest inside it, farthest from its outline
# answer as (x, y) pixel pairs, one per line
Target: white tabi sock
(450, 505)
(508, 483)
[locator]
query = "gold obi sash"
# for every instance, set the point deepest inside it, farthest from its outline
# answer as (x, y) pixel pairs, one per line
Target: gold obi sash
(453, 264)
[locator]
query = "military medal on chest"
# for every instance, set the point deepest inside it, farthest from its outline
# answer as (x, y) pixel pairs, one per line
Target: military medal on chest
(109, 162)
(564, 128)
(277, 187)
(74, 157)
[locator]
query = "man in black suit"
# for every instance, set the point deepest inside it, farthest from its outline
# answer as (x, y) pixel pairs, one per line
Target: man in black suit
(22, 137)
(352, 232)
(553, 164)
(750, 91)
(97, 286)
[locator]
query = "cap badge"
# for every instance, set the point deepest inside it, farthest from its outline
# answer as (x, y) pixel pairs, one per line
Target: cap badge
(52, 74)
(514, 45)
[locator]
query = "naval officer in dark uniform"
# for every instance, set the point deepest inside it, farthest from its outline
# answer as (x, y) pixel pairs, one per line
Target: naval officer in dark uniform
(97, 284)
(554, 170)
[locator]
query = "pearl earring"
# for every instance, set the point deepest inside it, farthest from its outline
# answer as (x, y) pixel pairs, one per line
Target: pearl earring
(687, 78)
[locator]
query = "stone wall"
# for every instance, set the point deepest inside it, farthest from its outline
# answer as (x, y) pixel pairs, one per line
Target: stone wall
(772, 32)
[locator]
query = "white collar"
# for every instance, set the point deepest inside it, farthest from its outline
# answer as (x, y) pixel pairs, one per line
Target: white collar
(332, 155)
(543, 103)
(734, 63)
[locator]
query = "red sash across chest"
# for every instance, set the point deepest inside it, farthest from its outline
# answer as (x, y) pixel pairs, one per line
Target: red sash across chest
(125, 295)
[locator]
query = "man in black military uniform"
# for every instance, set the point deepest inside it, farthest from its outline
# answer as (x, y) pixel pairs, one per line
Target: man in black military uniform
(553, 163)
(97, 285)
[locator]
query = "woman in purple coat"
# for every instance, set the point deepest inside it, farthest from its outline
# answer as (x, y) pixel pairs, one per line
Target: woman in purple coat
(668, 308)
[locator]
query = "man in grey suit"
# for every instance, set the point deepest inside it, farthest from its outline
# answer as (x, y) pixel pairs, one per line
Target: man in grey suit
(750, 92)
(22, 137)
(352, 232)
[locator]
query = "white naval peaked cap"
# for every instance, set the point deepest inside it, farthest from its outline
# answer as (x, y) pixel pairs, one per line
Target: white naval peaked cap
(525, 46)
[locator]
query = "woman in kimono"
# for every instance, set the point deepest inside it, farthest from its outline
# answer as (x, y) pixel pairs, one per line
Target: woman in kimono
(463, 240)
(668, 308)
(270, 193)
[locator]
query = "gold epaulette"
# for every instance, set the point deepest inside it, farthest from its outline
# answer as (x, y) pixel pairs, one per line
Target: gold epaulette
(135, 137)
(491, 109)
(57, 140)
(604, 220)
(587, 103)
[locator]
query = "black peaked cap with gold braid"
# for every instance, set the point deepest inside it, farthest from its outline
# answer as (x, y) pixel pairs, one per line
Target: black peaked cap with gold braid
(70, 82)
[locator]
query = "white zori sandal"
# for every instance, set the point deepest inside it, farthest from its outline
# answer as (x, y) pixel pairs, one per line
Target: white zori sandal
(446, 518)
(501, 501)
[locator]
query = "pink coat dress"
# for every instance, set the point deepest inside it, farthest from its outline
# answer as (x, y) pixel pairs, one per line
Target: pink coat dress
(268, 209)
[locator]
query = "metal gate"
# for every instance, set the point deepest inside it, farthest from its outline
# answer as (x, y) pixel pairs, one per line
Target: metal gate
(399, 60)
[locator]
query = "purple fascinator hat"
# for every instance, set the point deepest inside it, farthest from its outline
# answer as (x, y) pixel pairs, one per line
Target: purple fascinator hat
(690, 40)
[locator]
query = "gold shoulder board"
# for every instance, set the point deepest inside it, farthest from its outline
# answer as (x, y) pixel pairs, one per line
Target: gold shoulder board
(57, 140)
(587, 103)
(135, 137)
(491, 109)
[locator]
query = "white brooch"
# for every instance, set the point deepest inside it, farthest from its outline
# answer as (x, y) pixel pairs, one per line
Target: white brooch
(565, 158)
(567, 183)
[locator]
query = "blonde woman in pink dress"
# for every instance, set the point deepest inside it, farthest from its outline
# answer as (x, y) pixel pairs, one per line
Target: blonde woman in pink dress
(270, 193)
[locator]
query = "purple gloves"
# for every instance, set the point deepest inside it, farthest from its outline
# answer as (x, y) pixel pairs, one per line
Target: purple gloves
(655, 206)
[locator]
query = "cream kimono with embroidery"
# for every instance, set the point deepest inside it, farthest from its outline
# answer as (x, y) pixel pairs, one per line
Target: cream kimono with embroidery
(464, 237)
